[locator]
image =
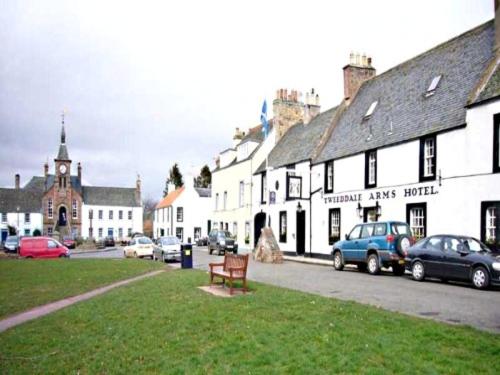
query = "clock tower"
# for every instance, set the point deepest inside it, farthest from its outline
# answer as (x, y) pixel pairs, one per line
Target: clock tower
(63, 167)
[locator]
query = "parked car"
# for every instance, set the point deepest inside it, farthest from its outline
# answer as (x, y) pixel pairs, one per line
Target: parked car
(139, 247)
(42, 247)
(202, 241)
(69, 242)
(11, 244)
(450, 257)
(371, 246)
(109, 241)
(99, 243)
(168, 248)
(221, 241)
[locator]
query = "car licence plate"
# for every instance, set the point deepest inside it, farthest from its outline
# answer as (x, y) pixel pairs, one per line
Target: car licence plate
(229, 246)
(401, 261)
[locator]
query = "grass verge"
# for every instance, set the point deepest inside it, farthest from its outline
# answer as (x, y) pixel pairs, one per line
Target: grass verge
(25, 284)
(165, 324)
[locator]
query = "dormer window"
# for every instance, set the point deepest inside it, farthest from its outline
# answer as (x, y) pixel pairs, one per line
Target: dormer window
(434, 84)
(370, 111)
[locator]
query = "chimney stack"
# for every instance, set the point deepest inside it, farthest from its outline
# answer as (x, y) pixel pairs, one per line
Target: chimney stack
(80, 172)
(18, 181)
(496, 47)
(356, 72)
(311, 107)
(138, 190)
(287, 111)
(46, 170)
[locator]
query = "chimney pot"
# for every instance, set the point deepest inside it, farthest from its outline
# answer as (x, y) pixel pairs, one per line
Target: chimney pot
(46, 169)
(79, 171)
(18, 181)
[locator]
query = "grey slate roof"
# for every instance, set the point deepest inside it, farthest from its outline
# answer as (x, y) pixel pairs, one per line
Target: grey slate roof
(299, 142)
(38, 183)
(26, 200)
(109, 196)
(401, 100)
(204, 192)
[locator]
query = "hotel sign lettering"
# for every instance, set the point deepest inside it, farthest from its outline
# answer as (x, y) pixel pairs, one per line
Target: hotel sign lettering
(383, 194)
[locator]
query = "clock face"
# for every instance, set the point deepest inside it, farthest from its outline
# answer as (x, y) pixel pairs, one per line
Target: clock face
(62, 168)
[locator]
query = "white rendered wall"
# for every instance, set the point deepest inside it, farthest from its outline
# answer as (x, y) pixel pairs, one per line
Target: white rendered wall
(17, 221)
(136, 224)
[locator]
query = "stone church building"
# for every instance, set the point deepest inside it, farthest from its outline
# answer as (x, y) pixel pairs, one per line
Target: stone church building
(59, 202)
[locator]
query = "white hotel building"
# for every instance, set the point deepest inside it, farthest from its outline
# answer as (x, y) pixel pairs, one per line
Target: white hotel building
(418, 143)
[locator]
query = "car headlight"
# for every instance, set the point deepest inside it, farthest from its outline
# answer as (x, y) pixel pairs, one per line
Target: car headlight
(496, 266)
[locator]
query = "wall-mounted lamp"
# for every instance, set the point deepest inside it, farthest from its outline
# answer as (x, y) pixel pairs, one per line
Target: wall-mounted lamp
(299, 207)
(378, 209)
(359, 210)
(440, 177)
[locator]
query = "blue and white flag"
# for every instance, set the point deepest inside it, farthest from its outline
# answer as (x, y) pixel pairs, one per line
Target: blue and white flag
(263, 119)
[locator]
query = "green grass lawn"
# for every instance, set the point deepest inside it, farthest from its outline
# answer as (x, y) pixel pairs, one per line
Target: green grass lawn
(29, 283)
(166, 325)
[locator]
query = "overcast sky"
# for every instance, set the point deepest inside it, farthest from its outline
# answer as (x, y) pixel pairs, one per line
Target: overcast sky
(149, 83)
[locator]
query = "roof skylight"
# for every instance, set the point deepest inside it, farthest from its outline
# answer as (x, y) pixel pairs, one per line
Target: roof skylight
(371, 109)
(433, 85)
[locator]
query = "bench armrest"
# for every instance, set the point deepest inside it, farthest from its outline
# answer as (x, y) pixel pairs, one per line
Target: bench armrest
(212, 265)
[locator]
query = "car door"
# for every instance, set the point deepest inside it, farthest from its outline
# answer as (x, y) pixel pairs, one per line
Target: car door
(455, 264)
(52, 250)
(432, 256)
(364, 241)
(351, 244)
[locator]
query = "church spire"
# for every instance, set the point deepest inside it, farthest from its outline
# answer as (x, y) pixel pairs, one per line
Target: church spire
(63, 132)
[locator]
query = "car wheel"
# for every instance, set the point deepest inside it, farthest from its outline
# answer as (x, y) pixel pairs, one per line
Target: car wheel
(398, 270)
(338, 264)
(373, 265)
(62, 256)
(418, 271)
(209, 250)
(480, 278)
(135, 254)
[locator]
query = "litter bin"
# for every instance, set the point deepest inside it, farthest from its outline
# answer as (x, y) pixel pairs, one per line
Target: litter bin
(186, 255)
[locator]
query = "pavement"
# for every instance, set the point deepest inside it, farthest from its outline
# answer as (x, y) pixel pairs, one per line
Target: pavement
(454, 303)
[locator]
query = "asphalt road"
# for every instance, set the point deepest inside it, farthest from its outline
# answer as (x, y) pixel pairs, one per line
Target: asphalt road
(452, 303)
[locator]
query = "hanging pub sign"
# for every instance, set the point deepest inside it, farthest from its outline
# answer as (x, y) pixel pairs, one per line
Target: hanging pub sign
(294, 184)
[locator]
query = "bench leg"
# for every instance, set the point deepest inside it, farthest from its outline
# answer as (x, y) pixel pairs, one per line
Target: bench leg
(231, 287)
(245, 285)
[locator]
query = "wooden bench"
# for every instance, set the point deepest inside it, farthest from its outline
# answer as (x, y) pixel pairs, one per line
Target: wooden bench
(233, 268)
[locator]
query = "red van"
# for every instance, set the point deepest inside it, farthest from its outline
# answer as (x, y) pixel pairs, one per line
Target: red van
(42, 247)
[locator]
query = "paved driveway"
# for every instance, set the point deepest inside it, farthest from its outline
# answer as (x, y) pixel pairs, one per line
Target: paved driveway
(452, 303)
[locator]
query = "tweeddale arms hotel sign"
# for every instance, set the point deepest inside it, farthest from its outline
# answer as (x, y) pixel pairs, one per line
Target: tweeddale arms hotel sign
(383, 194)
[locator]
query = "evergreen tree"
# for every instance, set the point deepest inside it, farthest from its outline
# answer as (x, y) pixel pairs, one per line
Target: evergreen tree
(175, 177)
(205, 177)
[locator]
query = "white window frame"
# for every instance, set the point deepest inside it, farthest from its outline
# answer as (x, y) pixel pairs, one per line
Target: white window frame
(129, 232)
(491, 224)
(372, 168)
(4, 217)
(242, 194)
(429, 154)
(27, 218)
(50, 231)
(120, 215)
(335, 223)
(235, 229)
(100, 231)
(130, 214)
(180, 214)
(417, 222)
(74, 209)
(329, 176)
(100, 214)
(110, 215)
(120, 232)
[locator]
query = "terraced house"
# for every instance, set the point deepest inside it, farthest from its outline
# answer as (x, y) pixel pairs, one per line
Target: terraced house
(60, 203)
(418, 143)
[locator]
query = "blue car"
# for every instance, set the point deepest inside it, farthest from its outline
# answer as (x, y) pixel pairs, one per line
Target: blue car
(372, 246)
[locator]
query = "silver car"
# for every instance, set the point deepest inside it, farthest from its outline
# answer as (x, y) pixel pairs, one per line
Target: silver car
(168, 248)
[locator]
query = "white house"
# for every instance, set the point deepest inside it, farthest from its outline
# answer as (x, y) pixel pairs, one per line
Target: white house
(233, 180)
(19, 210)
(184, 212)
